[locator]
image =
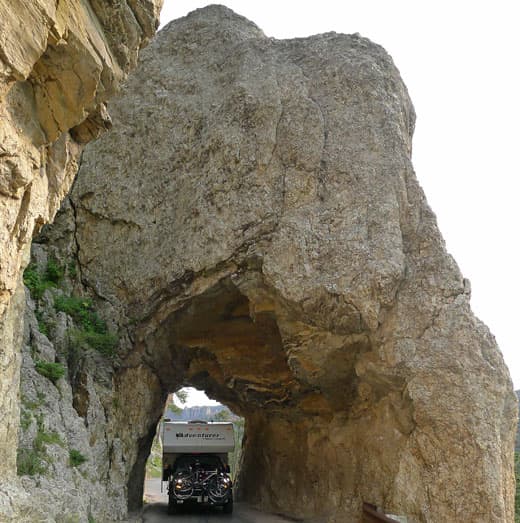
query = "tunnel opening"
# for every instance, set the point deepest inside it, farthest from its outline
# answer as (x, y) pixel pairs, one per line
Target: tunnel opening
(187, 404)
(190, 404)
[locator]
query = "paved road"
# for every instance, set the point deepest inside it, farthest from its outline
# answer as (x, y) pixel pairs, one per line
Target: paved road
(156, 505)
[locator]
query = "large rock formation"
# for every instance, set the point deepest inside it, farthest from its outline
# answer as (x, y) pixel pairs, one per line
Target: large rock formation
(254, 227)
(59, 63)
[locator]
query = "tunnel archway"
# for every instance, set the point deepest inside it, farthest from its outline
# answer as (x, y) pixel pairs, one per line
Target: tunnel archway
(230, 345)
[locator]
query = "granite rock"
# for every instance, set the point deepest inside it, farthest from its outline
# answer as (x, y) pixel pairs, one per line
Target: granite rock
(254, 223)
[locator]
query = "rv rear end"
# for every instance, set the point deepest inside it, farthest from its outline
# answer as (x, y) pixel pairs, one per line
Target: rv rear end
(195, 463)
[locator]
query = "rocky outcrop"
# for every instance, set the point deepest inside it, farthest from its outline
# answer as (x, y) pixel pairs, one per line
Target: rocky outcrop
(254, 227)
(63, 451)
(60, 61)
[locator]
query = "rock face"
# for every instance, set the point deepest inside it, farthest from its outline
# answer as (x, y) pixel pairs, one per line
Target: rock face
(59, 63)
(254, 220)
(252, 226)
(63, 451)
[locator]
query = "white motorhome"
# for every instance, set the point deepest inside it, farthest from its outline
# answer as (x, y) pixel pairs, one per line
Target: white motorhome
(195, 463)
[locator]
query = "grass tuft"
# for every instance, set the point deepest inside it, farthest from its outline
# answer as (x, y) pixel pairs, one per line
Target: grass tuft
(76, 458)
(35, 461)
(52, 371)
(92, 331)
(29, 462)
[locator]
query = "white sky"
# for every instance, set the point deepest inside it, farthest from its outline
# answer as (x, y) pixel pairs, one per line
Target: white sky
(197, 398)
(460, 61)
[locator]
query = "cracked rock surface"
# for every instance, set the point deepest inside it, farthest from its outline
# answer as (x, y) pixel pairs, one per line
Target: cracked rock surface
(254, 225)
(60, 61)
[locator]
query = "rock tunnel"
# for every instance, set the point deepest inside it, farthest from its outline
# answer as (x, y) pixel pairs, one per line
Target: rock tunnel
(252, 226)
(228, 342)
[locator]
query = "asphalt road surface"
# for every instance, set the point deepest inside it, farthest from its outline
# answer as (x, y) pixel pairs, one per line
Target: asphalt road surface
(156, 505)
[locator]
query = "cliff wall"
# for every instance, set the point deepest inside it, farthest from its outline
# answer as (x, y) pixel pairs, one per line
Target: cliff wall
(60, 61)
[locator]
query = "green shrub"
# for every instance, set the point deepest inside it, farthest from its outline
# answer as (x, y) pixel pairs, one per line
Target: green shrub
(38, 283)
(105, 343)
(54, 272)
(82, 311)
(31, 277)
(92, 330)
(52, 371)
(34, 282)
(76, 458)
(30, 462)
